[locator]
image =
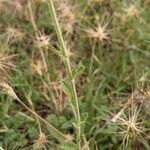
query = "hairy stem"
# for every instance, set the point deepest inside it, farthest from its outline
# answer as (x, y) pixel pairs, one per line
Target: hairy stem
(68, 65)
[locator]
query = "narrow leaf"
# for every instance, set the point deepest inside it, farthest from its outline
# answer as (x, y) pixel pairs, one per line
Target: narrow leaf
(78, 71)
(56, 52)
(67, 88)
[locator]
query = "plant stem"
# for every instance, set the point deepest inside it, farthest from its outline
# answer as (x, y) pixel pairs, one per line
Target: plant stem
(36, 33)
(63, 136)
(68, 65)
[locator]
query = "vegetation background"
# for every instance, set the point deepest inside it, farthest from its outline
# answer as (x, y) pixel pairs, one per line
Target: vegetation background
(78, 80)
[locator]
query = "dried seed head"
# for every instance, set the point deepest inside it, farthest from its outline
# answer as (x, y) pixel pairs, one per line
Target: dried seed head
(15, 5)
(8, 90)
(2, 7)
(6, 64)
(42, 40)
(132, 11)
(37, 67)
(14, 34)
(141, 99)
(100, 33)
(66, 15)
(69, 137)
(129, 125)
(40, 143)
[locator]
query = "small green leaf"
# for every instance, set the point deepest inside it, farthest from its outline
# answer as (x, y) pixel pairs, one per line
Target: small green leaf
(84, 117)
(77, 71)
(57, 52)
(75, 124)
(67, 88)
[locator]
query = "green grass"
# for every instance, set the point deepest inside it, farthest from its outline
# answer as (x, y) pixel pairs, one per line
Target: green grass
(76, 80)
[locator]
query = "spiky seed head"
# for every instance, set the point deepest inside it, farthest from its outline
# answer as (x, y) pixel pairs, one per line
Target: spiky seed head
(6, 64)
(15, 6)
(138, 96)
(129, 125)
(37, 67)
(40, 143)
(141, 99)
(66, 15)
(132, 11)
(42, 40)
(100, 33)
(14, 34)
(69, 137)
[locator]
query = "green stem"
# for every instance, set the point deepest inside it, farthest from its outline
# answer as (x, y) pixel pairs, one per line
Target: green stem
(68, 65)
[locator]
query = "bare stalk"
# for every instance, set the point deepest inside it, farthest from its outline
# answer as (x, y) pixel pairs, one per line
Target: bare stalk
(36, 32)
(43, 120)
(8, 90)
(37, 119)
(68, 65)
